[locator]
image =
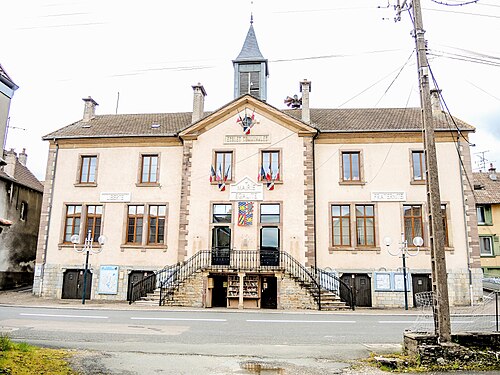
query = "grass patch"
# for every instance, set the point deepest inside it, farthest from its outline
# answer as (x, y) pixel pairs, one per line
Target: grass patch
(400, 363)
(25, 359)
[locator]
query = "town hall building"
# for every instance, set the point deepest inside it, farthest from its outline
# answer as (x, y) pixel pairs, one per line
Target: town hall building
(251, 206)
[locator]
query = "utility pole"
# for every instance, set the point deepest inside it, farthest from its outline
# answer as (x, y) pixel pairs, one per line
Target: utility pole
(438, 261)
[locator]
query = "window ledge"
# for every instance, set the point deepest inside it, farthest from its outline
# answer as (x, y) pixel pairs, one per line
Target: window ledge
(143, 248)
(342, 182)
(418, 182)
(485, 224)
(276, 182)
(352, 250)
(85, 184)
(488, 255)
(147, 184)
(226, 182)
(79, 246)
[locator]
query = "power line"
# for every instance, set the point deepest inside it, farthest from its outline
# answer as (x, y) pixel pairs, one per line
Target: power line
(465, 13)
(395, 78)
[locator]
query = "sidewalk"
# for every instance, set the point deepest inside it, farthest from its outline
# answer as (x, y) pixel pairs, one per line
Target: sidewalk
(24, 298)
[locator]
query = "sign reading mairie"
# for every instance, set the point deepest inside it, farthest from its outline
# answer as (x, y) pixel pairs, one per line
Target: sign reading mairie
(246, 190)
(251, 138)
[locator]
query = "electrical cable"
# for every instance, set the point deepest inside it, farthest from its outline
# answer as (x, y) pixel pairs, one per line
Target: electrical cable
(395, 78)
(447, 118)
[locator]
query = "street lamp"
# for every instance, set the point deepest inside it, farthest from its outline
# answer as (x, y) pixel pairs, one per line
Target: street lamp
(87, 248)
(403, 250)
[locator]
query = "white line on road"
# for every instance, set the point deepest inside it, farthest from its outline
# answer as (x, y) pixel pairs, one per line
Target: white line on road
(180, 319)
(67, 316)
(299, 321)
(421, 321)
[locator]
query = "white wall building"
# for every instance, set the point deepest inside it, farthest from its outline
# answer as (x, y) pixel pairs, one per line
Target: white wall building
(245, 205)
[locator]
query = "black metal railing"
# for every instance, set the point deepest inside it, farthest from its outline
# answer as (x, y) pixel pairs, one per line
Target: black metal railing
(168, 279)
(330, 282)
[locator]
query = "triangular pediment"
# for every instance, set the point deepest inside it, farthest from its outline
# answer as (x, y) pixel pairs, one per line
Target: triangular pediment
(246, 104)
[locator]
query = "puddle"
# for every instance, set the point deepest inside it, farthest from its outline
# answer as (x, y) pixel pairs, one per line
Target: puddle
(262, 368)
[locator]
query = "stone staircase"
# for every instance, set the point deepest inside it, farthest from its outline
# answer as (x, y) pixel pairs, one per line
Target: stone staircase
(188, 295)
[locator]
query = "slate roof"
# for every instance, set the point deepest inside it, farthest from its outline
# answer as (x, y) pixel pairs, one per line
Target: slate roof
(24, 177)
(490, 191)
(250, 50)
(345, 120)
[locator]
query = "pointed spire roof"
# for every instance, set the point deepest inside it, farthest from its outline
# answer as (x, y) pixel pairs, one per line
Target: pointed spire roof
(250, 50)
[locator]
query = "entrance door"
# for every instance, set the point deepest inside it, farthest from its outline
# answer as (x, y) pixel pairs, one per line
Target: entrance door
(361, 289)
(73, 284)
(135, 277)
(269, 246)
(269, 293)
(221, 244)
(420, 283)
(219, 291)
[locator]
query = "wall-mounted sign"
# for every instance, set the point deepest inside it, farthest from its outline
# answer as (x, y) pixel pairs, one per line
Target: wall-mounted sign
(115, 197)
(246, 190)
(389, 196)
(391, 282)
(238, 139)
(108, 280)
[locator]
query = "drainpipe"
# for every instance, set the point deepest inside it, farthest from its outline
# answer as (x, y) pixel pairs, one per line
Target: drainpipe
(467, 249)
(49, 209)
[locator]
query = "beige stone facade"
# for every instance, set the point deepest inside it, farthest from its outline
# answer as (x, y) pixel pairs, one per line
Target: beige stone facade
(252, 206)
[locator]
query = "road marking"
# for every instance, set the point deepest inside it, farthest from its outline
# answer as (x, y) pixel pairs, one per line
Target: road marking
(67, 316)
(299, 321)
(179, 319)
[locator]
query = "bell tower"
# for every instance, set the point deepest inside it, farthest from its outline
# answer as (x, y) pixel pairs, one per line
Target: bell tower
(250, 68)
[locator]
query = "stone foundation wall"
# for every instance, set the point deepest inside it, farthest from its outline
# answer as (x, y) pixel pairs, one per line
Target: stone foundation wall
(53, 276)
(291, 296)
(191, 293)
(458, 291)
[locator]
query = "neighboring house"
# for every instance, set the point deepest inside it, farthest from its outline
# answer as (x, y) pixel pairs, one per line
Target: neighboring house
(20, 207)
(242, 203)
(20, 203)
(7, 89)
(487, 193)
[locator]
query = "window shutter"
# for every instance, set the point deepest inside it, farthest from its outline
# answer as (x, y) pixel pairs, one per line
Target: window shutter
(488, 219)
(496, 246)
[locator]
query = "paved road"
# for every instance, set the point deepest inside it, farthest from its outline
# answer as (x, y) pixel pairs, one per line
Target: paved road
(207, 341)
(193, 342)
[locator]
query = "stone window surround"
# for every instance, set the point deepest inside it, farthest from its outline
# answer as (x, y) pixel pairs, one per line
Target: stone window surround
(145, 228)
(83, 219)
(261, 225)
(280, 163)
(78, 183)
(352, 223)
(425, 225)
(361, 167)
(213, 225)
(233, 164)
(412, 179)
(139, 170)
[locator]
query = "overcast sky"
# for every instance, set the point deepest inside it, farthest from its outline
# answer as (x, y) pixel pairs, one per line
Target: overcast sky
(152, 51)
